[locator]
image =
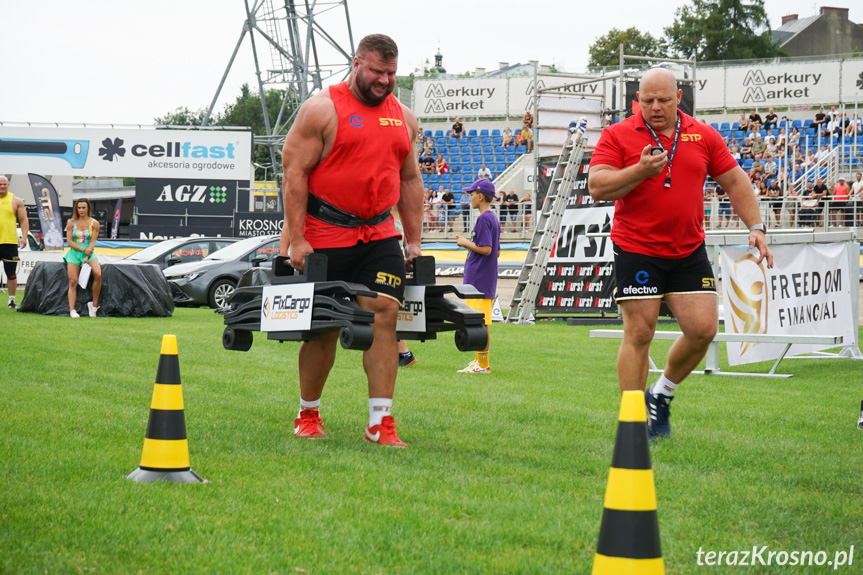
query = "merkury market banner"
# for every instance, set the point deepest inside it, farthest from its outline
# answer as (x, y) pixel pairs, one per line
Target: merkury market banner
(216, 154)
(807, 292)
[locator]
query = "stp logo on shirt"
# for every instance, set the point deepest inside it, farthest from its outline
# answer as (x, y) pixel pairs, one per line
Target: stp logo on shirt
(690, 137)
(390, 122)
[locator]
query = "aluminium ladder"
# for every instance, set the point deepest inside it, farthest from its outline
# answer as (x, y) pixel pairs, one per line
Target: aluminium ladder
(547, 224)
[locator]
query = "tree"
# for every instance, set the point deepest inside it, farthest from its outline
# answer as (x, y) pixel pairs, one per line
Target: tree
(722, 30)
(606, 50)
(181, 117)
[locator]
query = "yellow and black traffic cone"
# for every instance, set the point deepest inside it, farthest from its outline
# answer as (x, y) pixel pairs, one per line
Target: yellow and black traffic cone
(166, 448)
(629, 533)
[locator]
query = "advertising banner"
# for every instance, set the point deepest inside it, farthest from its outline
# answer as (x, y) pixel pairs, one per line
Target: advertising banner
(193, 196)
(579, 276)
(467, 97)
(252, 224)
(150, 153)
(160, 231)
(807, 292)
(782, 84)
(49, 212)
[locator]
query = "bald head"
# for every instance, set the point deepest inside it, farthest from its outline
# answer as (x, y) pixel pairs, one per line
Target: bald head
(658, 78)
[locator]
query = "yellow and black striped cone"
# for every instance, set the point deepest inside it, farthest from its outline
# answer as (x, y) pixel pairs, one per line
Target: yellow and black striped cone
(166, 448)
(629, 533)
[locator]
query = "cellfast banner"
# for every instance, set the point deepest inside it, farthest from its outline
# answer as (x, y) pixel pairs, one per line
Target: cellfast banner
(807, 292)
(144, 153)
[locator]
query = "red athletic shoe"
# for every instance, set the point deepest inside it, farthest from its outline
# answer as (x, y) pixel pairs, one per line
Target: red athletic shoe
(385, 433)
(309, 424)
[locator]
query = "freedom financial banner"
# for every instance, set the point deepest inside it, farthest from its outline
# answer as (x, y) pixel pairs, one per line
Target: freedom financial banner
(145, 153)
(807, 292)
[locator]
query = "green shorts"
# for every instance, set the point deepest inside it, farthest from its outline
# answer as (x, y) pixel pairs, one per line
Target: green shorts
(77, 258)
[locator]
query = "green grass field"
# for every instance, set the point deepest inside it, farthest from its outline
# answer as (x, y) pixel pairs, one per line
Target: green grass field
(505, 473)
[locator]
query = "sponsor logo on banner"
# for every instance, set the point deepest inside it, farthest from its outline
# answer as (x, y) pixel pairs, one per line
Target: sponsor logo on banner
(761, 87)
(182, 197)
(287, 307)
(253, 224)
(807, 292)
(143, 153)
(412, 316)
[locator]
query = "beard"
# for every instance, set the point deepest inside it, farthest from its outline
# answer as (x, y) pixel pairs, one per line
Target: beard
(364, 89)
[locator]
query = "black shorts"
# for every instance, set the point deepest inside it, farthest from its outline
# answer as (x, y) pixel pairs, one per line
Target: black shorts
(645, 277)
(378, 265)
(9, 252)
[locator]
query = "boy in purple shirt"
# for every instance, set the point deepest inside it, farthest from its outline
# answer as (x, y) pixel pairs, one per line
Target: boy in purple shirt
(480, 268)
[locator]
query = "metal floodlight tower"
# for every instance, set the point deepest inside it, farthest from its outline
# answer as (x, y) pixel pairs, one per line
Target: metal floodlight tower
(309, 44)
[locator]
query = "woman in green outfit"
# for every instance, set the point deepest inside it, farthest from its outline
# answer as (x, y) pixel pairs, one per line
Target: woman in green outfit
(81, 233)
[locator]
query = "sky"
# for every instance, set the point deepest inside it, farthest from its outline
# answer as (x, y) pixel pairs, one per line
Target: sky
(126, 63)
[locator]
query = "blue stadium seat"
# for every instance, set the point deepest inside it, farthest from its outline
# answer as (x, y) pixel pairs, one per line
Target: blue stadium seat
(495, 133)
(464, 149)
(466, 159)
(499, 150)
(488, 159)
(499, 168)
(725, 126)
(435, 187)
(477, 159)
(428, 133)
(739, 134)
(425, 178)
(441, 141)
(499, 159)
(486, 141)
(467, 178)
(474, 140)
(445, 178)
(483, 133)
(807, 122)
(796, 124)
(510, 158)
(714, 125)
(487, 149)
(438, 134)
(747, 163)
(476, 150)
(496, 141)
(521, 149)
(434, 178)
(472, 133)
(452, 141)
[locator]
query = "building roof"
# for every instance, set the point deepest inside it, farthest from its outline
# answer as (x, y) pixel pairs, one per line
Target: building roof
(792, 28)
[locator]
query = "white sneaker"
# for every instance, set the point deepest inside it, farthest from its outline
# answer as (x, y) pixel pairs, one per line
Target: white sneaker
(92, 309)
(73, 313)
(473, 367)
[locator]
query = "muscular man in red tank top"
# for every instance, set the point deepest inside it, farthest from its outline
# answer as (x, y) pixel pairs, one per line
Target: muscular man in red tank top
(351, 152)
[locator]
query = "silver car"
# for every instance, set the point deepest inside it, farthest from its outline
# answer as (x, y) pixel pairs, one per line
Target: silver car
(212, 280)
(178, 251)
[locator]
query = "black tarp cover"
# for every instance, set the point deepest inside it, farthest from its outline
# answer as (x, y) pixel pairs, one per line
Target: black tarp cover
(128, 290)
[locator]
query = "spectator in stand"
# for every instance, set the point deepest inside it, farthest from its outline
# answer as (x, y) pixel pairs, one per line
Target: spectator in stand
(427, 165)
(809, 205)
(483, 173)
(831, 115)
(758, 146)
(835, 127)
(855, 126)
(735, 153)
(527, 202)
(820, 120)
(754, 121)
(796, 158)
(457, 129)
(419, 139)
(774, 196)
(507, 138)
(811, 159)
(510, 201)
(742, 122)
(759, 188)
(771, 148)
(527, 120)
(794, 137)
(527, 138)
(781, 138)
(792, 199)
(435, 211)
(771, 168)
(822, 154)
(447, 201)
(428, 146)
(857, 199)
(441, 165)
(840, 202)
(770, 120)
(756, 171)
(746, 149)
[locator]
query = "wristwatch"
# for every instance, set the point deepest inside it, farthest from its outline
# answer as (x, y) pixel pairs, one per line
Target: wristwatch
(758, 228)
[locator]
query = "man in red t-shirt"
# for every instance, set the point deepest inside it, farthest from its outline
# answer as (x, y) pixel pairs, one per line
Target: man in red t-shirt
(348, 159)
(653, 166)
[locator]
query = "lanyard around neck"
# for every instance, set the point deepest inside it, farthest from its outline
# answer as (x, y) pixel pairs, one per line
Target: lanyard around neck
(676, 138)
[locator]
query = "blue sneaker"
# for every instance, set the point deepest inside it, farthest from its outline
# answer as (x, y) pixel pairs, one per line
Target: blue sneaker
(658, 412)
